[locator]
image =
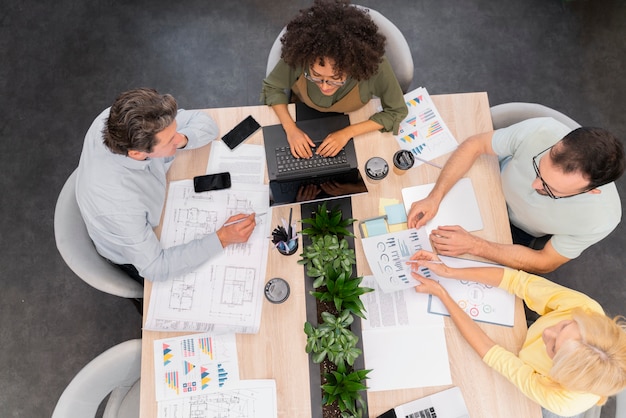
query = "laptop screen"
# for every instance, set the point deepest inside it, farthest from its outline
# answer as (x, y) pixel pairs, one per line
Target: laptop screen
(318, 188)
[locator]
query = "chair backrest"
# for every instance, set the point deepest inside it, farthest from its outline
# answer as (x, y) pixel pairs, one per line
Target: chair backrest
(397, 50)
(115, 372)
(620, 404)
(80, 254)
(507, 114)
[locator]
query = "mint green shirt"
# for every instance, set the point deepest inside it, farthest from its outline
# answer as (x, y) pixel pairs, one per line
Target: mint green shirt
(575, 223)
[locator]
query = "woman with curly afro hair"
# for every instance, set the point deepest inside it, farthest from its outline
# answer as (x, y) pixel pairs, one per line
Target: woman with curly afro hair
(333, 61)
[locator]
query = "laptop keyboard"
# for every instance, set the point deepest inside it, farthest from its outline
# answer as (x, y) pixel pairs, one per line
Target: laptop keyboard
(426, 413)
(287, 163)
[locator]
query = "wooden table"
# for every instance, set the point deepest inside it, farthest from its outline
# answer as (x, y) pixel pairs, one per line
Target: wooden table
(277, 351)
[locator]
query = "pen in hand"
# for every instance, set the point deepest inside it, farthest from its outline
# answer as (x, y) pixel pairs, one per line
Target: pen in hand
(241, 219)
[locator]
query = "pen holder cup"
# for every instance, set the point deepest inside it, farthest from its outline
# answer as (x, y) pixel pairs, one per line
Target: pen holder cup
(289, 247)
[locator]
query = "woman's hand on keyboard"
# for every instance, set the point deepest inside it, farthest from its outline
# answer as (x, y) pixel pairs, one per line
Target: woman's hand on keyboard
(299, 143)
(333, 143)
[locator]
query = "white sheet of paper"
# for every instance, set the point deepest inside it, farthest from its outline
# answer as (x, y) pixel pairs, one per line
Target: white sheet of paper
(246, 163)
(226, 293)
(481, 302)
(387, 255)
(458, 207)
(245, 398)
(403, 344)
(423, 131)
(194, 364)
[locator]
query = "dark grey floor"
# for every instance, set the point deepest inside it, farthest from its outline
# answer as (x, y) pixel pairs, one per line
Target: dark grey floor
(63, 62)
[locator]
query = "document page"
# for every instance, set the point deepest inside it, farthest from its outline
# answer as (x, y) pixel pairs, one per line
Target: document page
(244, 399)
(403, 344)
(246, 163)
(481, 302)
(423, 131)
(458, 207)
(193, 364)
(226, 293)
(197, 376)
(387, 255)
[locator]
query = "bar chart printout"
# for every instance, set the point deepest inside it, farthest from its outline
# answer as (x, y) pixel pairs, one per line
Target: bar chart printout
(423, 131)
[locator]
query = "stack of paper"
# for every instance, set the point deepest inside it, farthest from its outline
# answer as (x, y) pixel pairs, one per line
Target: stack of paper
(403, 344)
(197, 376)
(226, 293)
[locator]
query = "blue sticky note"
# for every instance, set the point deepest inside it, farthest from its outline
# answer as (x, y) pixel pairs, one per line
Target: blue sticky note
(376, 227)
(395, 214)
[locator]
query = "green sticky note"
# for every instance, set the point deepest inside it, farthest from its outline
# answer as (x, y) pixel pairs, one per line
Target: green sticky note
(395, 214)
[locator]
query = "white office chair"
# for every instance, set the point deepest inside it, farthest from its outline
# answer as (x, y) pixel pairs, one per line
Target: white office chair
(80, 254)
(507, 114)
(116, 371)
(397, 50)
(620, 404)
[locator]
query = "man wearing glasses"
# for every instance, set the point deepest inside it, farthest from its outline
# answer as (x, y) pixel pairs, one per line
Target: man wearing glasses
(556, 183)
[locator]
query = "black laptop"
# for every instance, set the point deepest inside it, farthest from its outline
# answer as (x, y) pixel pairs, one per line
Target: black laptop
(300, 179)
(281, 165)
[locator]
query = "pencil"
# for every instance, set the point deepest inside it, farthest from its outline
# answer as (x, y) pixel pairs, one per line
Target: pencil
(242, 219)
(427, 162)
(235, 222)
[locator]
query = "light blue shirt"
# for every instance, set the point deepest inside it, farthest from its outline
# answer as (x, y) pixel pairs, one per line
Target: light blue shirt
(576, 222)
(121, 200)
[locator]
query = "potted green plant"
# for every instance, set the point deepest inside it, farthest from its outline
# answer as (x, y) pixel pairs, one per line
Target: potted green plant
(332, 339)
(329, 262)
(343, 291)
(344, 388)
(327, 222)
(326, 250)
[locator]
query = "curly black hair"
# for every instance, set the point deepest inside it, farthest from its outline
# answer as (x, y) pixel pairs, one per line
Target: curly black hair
(337, 30)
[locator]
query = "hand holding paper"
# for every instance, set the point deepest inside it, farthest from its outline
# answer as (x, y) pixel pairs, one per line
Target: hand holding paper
(429, 260)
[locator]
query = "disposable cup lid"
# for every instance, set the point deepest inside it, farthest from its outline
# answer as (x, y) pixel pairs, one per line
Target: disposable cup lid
(403, 159)
(376, 168)
(277, 290)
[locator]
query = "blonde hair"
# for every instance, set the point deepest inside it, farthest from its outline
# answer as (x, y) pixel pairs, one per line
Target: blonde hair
(597, 363)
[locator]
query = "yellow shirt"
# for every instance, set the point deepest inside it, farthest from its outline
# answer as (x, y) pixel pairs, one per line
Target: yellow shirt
(530, 369)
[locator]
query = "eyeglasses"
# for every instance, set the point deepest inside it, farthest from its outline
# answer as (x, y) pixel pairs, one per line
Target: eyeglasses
(547, 189)
(321, 81)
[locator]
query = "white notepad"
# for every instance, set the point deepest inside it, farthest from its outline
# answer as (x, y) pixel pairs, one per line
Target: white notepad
(458, 207)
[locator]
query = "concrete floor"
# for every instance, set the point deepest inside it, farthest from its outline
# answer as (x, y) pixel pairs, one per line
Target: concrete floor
(63, 62)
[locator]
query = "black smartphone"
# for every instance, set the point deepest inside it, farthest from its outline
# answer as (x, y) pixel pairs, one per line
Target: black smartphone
(239, 133)
(211, 182)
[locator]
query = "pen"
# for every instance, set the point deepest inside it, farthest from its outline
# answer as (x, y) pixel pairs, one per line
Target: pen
(289, 228)
(241, 220)
(415, 262)
(427, 162)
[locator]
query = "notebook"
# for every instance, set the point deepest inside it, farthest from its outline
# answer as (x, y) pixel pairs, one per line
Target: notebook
(458, 207)
(281, 165)
(446, 404)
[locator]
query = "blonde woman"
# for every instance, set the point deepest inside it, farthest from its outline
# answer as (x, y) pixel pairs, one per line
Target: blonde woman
(573, 357)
